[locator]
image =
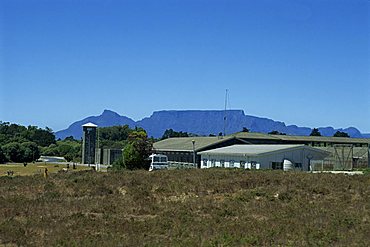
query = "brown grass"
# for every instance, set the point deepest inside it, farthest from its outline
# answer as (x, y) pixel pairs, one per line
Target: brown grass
(35, 168)
(186, 208)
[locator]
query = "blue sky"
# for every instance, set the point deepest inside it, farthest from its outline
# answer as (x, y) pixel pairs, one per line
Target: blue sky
(301, 62)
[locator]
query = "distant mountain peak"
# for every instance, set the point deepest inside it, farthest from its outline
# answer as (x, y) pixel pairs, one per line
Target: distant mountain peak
(106, 119)
(201, 122)
(109, 113)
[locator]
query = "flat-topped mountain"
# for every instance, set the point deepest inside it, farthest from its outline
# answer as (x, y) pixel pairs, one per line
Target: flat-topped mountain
(201, 122)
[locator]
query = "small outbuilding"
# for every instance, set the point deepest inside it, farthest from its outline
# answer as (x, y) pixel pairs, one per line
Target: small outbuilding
(262, 157)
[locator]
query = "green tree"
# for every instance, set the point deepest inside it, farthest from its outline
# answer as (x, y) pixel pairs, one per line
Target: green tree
(70, 149)
(42, 137)
(114, 137)
(12, 152)
(24, 152)
(340, 134)
(275, 132)
(69, 138)
(245, 130)
(51, 150)
(118, 164)
(12, 133)
(315, 132)
(115, 133)
(137, 151)
(2, 156)
(169, 133)
(29, 151)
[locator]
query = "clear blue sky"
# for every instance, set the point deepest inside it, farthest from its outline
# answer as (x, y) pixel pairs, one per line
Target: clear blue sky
(304, 62)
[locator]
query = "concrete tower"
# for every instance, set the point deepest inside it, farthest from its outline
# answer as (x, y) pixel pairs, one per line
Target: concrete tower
(88, 143)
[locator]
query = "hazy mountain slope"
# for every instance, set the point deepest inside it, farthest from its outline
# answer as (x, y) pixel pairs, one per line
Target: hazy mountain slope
(198, 122)
(107, 118)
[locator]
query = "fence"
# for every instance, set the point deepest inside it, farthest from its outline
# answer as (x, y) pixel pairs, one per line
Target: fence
(344, 157)
(181, 165)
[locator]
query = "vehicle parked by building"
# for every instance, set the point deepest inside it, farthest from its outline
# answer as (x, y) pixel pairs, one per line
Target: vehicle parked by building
(158, 162)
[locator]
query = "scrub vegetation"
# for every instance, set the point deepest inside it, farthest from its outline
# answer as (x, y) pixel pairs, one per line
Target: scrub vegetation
(213, 207)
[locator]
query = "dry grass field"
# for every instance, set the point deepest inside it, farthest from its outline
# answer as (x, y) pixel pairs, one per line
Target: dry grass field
(185, 208)
(35, 168)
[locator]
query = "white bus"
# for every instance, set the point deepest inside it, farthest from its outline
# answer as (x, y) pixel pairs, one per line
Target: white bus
(158, 162)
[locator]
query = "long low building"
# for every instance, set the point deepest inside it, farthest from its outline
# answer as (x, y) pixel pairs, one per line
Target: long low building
(185, 149)
(354, 150)
(262, 156)
(314, 141)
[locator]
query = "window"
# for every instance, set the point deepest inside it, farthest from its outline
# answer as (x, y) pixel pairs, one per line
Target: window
(205, 161)
(231, 164)
(222, 162)
(277, 165)
(253, 164)
(242, 164)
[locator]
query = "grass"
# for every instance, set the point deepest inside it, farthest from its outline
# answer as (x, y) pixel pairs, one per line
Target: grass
(210, 207)
(34, 168)
(364, 170)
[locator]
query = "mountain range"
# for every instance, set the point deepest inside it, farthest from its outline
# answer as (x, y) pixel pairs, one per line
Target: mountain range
(200, 122)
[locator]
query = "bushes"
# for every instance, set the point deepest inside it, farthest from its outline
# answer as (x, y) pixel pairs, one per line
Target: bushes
(186, 208)
(21, 152)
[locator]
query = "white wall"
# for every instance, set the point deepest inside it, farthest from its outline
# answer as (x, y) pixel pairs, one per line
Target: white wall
(296, 156)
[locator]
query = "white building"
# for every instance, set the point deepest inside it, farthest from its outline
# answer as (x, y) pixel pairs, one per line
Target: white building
(261, 156)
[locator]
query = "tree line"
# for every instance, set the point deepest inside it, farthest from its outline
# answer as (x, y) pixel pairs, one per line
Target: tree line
(26, 144)
(169, 133)
(316, 132)
(23, 144)
(136, 145)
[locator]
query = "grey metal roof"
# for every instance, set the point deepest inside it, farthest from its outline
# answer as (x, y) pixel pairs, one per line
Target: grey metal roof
(185, 143)
(254, 150)
(249, 135)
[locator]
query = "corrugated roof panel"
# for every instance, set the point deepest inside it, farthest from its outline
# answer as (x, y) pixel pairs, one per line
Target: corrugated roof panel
(185, 143)
(250, 150)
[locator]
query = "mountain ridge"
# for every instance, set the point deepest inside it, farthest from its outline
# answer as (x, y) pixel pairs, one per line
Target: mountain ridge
(201, 122)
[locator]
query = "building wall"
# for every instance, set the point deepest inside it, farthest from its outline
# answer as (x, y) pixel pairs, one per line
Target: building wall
(173, 155)
(267, 161)
(111, 155)
(364, 160)
(180, 156)
(107, 156)
(187, 156)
